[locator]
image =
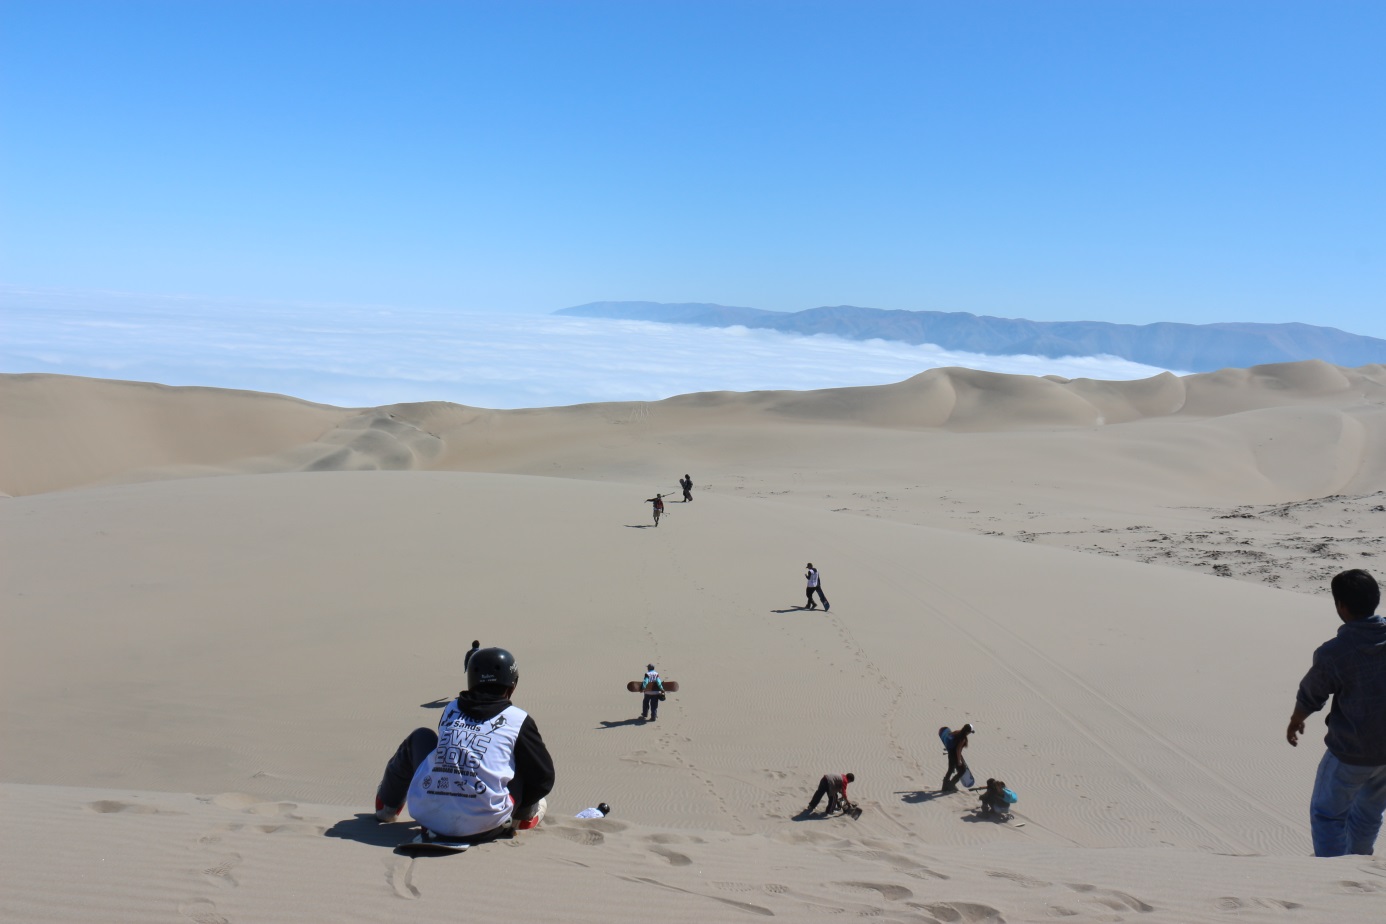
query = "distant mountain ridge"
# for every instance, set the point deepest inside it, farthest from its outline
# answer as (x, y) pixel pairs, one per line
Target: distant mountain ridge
(1181, 347)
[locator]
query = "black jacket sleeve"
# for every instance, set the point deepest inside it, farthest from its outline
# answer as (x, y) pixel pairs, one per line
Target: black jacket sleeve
(533, 766)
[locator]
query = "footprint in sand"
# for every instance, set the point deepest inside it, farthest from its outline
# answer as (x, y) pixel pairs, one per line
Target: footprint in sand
(221, 873)
(201, 911)
(110, 806)
(1232, 903)
(588, 837)
(673, 856)
(1028, 882)
(893, 893)
(399, 874)
(961, 913)
(1347, 885)
(1110, 898)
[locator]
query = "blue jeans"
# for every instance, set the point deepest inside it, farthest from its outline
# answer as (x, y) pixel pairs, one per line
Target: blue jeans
(1346, 808)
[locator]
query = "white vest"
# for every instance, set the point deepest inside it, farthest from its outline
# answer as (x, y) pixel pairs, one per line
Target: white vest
(463, 788)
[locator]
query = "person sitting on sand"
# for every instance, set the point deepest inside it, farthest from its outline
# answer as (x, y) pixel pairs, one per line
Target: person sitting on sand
(834, 786)
(601, 811)
(957, 764)
(486, 770)
(994, 798)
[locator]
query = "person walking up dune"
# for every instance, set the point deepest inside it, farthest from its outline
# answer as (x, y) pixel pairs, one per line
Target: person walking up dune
(653, 689)
(815, 586)
(955, 742)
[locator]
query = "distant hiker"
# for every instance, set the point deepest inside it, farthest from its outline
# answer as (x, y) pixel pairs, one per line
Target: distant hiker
(955, 741)
(687, 484)
(658, 502)
(834, 786)
(601, 811)
(467, 658)
(815, 585)
(485, 771)
(997, 798)
(653, 688)
(1349, 800)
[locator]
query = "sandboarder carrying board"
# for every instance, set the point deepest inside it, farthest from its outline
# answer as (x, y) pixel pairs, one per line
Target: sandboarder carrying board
(653, 687)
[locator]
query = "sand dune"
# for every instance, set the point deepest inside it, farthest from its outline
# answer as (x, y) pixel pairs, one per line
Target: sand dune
(202, 676)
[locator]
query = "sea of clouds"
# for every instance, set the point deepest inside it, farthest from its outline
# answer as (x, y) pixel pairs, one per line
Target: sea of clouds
(365, 356)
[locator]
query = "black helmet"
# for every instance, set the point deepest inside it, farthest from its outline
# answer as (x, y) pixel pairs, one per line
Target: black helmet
(603, 808)
(492, 667)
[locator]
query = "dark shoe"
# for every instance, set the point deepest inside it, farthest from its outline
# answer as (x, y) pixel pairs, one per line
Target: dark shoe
(949, 789)
(826, 607)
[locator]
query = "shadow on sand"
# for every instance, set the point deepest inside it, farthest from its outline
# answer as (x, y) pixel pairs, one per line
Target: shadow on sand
(638, 720)
(365, 829)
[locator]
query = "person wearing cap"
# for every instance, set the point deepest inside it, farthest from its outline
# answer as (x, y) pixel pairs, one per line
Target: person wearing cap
(601, 811)
(834, 786)
(957, 764)
(483, 773)
(653, 688)
(815, 585)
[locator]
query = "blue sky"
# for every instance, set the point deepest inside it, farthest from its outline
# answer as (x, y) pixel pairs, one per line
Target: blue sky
(1182, 160)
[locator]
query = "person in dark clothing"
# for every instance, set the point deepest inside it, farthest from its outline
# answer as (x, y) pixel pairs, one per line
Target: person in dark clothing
(957, 764)
(687, 484)
(486, 770)
(834, 786)
(1349, 798)
(994, 798)
(815, 586)
(466, 658)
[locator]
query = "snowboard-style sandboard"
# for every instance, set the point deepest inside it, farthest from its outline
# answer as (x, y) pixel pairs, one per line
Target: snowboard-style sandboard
(419, 847)
(670, 686)
(968, 780)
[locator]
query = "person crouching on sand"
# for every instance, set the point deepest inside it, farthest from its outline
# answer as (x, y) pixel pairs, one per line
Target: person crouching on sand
(834, 786)
(484, 773)
(994, 798)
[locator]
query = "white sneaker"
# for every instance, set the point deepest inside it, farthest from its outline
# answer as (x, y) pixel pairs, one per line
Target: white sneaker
(385, 814)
